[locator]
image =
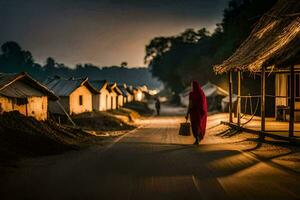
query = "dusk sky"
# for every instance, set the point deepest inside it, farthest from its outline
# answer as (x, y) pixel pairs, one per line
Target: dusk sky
(102, 32)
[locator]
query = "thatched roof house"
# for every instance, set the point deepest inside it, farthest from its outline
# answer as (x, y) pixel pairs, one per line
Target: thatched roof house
(22, 93)
(75, 95)
(275, 41)
(272, 46)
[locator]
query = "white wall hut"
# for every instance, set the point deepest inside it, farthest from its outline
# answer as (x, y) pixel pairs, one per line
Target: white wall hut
(137, 94)
(214, 95)
(20, 92)
(75, 95)
(124, 93)
(184, 96)
(101, 101)
(129, 94)
(120, 97)
(113, 97)
(116, 96)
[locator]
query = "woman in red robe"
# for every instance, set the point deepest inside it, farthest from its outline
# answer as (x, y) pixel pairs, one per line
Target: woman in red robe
(198, 111)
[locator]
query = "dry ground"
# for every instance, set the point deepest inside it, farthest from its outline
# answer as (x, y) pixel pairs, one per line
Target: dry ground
(154, 162)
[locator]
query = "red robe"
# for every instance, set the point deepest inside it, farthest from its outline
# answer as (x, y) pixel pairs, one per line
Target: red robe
(198, 111)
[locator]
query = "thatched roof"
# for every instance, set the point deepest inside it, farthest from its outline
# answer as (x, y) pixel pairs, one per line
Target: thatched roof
(274, 41)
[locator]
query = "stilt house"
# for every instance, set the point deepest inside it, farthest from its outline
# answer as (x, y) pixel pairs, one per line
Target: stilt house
(273, 48)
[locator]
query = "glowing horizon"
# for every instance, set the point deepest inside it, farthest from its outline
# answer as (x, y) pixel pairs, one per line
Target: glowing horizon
(103, 33)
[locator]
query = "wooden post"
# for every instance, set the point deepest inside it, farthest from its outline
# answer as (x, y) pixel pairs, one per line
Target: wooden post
(292, 101)
(239, 99)
(263, 102)
(230, 96)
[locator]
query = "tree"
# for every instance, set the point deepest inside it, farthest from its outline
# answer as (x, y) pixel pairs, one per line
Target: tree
(177, 60)
(14, 58)
(124, 64)
(50, 62)
(11, 48)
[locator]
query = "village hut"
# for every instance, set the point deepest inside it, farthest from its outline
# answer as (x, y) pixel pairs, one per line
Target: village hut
(184, 96)
(130, 95)
(20, 92)
(273, 47)
(76, 95)
(101, 101)
(125, 93)
(120, 96)
(137, 94)
(214, 95)
(225, 103)
(116, 96)
(147, 93)
(144, 88)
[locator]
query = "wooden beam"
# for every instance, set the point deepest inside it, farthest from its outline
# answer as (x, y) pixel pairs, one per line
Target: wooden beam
(263, 102)
(230, 97)
(239, 98)
(293, 140)
(292, 101)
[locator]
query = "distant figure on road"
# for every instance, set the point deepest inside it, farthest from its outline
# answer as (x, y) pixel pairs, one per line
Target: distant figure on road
(157, 106)
(198, 112)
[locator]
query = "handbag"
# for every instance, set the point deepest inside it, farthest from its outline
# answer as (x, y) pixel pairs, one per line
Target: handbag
(185, 129)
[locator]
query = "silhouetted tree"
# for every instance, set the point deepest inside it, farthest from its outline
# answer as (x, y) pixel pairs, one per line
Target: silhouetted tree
(13, 58)
(124, 64)
(190, 55)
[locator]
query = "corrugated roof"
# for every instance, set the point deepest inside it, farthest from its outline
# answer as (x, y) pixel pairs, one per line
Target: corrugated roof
(123, 90)
(98, 84)
(64, 87)
(129, 90)
(114, 87)
(6, 80)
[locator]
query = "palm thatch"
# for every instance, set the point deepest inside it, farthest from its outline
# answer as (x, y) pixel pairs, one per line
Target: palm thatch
(274, 41)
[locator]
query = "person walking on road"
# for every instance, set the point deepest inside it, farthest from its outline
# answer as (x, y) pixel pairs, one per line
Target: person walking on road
(197, 110)
(157, 106)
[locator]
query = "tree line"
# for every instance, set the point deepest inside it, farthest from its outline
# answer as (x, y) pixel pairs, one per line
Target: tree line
(14, 59)
(177, 60)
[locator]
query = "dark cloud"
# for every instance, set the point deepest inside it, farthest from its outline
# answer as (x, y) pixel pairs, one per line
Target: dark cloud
(103, 32)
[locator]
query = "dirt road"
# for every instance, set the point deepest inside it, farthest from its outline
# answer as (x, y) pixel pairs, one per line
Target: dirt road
(153, 162)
